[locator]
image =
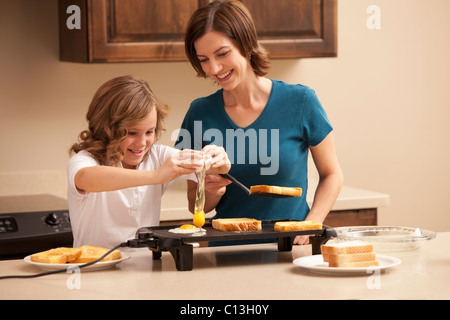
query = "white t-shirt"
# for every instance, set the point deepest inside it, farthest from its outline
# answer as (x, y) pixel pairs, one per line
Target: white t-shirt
(109, 218)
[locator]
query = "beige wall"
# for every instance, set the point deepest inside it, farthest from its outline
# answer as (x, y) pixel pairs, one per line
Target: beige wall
(386, 95)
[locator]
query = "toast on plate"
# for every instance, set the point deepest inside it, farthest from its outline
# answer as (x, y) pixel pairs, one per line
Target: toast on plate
(83, 254)
(91, 253)
(350, 254)
(57, 255)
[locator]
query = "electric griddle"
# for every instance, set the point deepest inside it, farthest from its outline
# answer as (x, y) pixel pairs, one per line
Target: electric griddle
(159, 239)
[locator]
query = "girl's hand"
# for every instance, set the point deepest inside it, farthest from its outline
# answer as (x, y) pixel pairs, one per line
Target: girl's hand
(218, 159)
(178, 164)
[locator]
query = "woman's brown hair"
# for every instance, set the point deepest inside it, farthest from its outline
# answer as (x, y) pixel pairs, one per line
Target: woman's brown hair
(233, 19)
(118, 104)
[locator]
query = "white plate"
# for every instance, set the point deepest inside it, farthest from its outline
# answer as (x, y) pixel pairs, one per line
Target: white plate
(61, 266)
(316, 264)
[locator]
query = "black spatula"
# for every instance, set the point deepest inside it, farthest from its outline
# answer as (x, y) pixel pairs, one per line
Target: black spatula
(256, 194)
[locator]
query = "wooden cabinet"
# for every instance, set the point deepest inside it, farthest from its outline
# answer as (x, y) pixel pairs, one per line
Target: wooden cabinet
(347, 218)
(296, 28)
(153, 30)
(126, 31)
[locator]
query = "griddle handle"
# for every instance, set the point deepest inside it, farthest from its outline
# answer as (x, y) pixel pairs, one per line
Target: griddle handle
(317, 241)
(144, 233)
(330, 233)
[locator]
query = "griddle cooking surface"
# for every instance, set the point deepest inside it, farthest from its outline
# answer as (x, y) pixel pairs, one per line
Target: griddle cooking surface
(212, 234)
(159, 239)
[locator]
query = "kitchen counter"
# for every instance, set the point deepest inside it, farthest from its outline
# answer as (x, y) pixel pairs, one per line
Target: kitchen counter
(237, 273)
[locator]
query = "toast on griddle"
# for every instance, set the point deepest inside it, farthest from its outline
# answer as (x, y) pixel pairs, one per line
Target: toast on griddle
(236, 224)
(287, 226)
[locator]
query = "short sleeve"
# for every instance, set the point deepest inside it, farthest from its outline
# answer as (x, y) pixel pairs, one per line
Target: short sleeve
(315, 123)
(76, 163)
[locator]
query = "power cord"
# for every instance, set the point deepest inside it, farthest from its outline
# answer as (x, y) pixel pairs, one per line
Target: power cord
(135, 243)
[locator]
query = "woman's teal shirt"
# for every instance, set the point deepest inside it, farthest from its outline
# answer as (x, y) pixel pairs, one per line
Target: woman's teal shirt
(273, 150)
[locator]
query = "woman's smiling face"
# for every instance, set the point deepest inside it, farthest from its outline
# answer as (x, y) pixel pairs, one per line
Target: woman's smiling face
(221, 59)
(138, 141)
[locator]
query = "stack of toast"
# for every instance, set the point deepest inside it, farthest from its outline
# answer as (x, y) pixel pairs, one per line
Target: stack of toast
(350, 254)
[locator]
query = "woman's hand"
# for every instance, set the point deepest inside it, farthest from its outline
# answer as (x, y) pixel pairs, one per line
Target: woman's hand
(301, 240)
(216, 185)
(218, 159)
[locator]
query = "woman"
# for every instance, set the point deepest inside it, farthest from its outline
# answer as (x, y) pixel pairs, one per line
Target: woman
(266, 126)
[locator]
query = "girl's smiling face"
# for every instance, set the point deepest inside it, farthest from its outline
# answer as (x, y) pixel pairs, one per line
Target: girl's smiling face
(221, 59)
(138, 141)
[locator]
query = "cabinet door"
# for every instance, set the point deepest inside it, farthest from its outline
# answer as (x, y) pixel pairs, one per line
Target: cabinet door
(153, 30)
(139, 30)
(296, 28)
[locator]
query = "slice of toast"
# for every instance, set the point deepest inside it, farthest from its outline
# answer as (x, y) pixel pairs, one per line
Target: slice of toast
(236, 224)
(57, 255)
(349, 258)
(357, 264)
(287, 226)
(288, 191)
(91, 253)
(348, 247)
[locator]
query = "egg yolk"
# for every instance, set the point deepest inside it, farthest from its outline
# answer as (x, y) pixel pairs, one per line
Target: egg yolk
(199, 218)
(188, 227)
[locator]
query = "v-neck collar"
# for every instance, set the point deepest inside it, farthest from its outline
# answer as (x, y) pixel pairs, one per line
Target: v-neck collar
(265, 110)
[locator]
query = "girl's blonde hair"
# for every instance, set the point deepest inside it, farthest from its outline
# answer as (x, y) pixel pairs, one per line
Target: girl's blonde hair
(231, 18)
(117, 105)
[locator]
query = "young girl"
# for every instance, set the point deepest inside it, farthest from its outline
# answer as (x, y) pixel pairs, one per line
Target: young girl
(117, 176)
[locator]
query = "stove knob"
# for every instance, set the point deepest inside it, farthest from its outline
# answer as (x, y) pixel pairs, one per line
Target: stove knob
(52, 219)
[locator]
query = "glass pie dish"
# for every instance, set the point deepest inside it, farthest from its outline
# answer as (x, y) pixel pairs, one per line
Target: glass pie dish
(386, 239)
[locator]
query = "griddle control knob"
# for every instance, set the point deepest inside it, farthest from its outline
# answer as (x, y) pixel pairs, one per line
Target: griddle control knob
(52, 219)
(144, 233)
